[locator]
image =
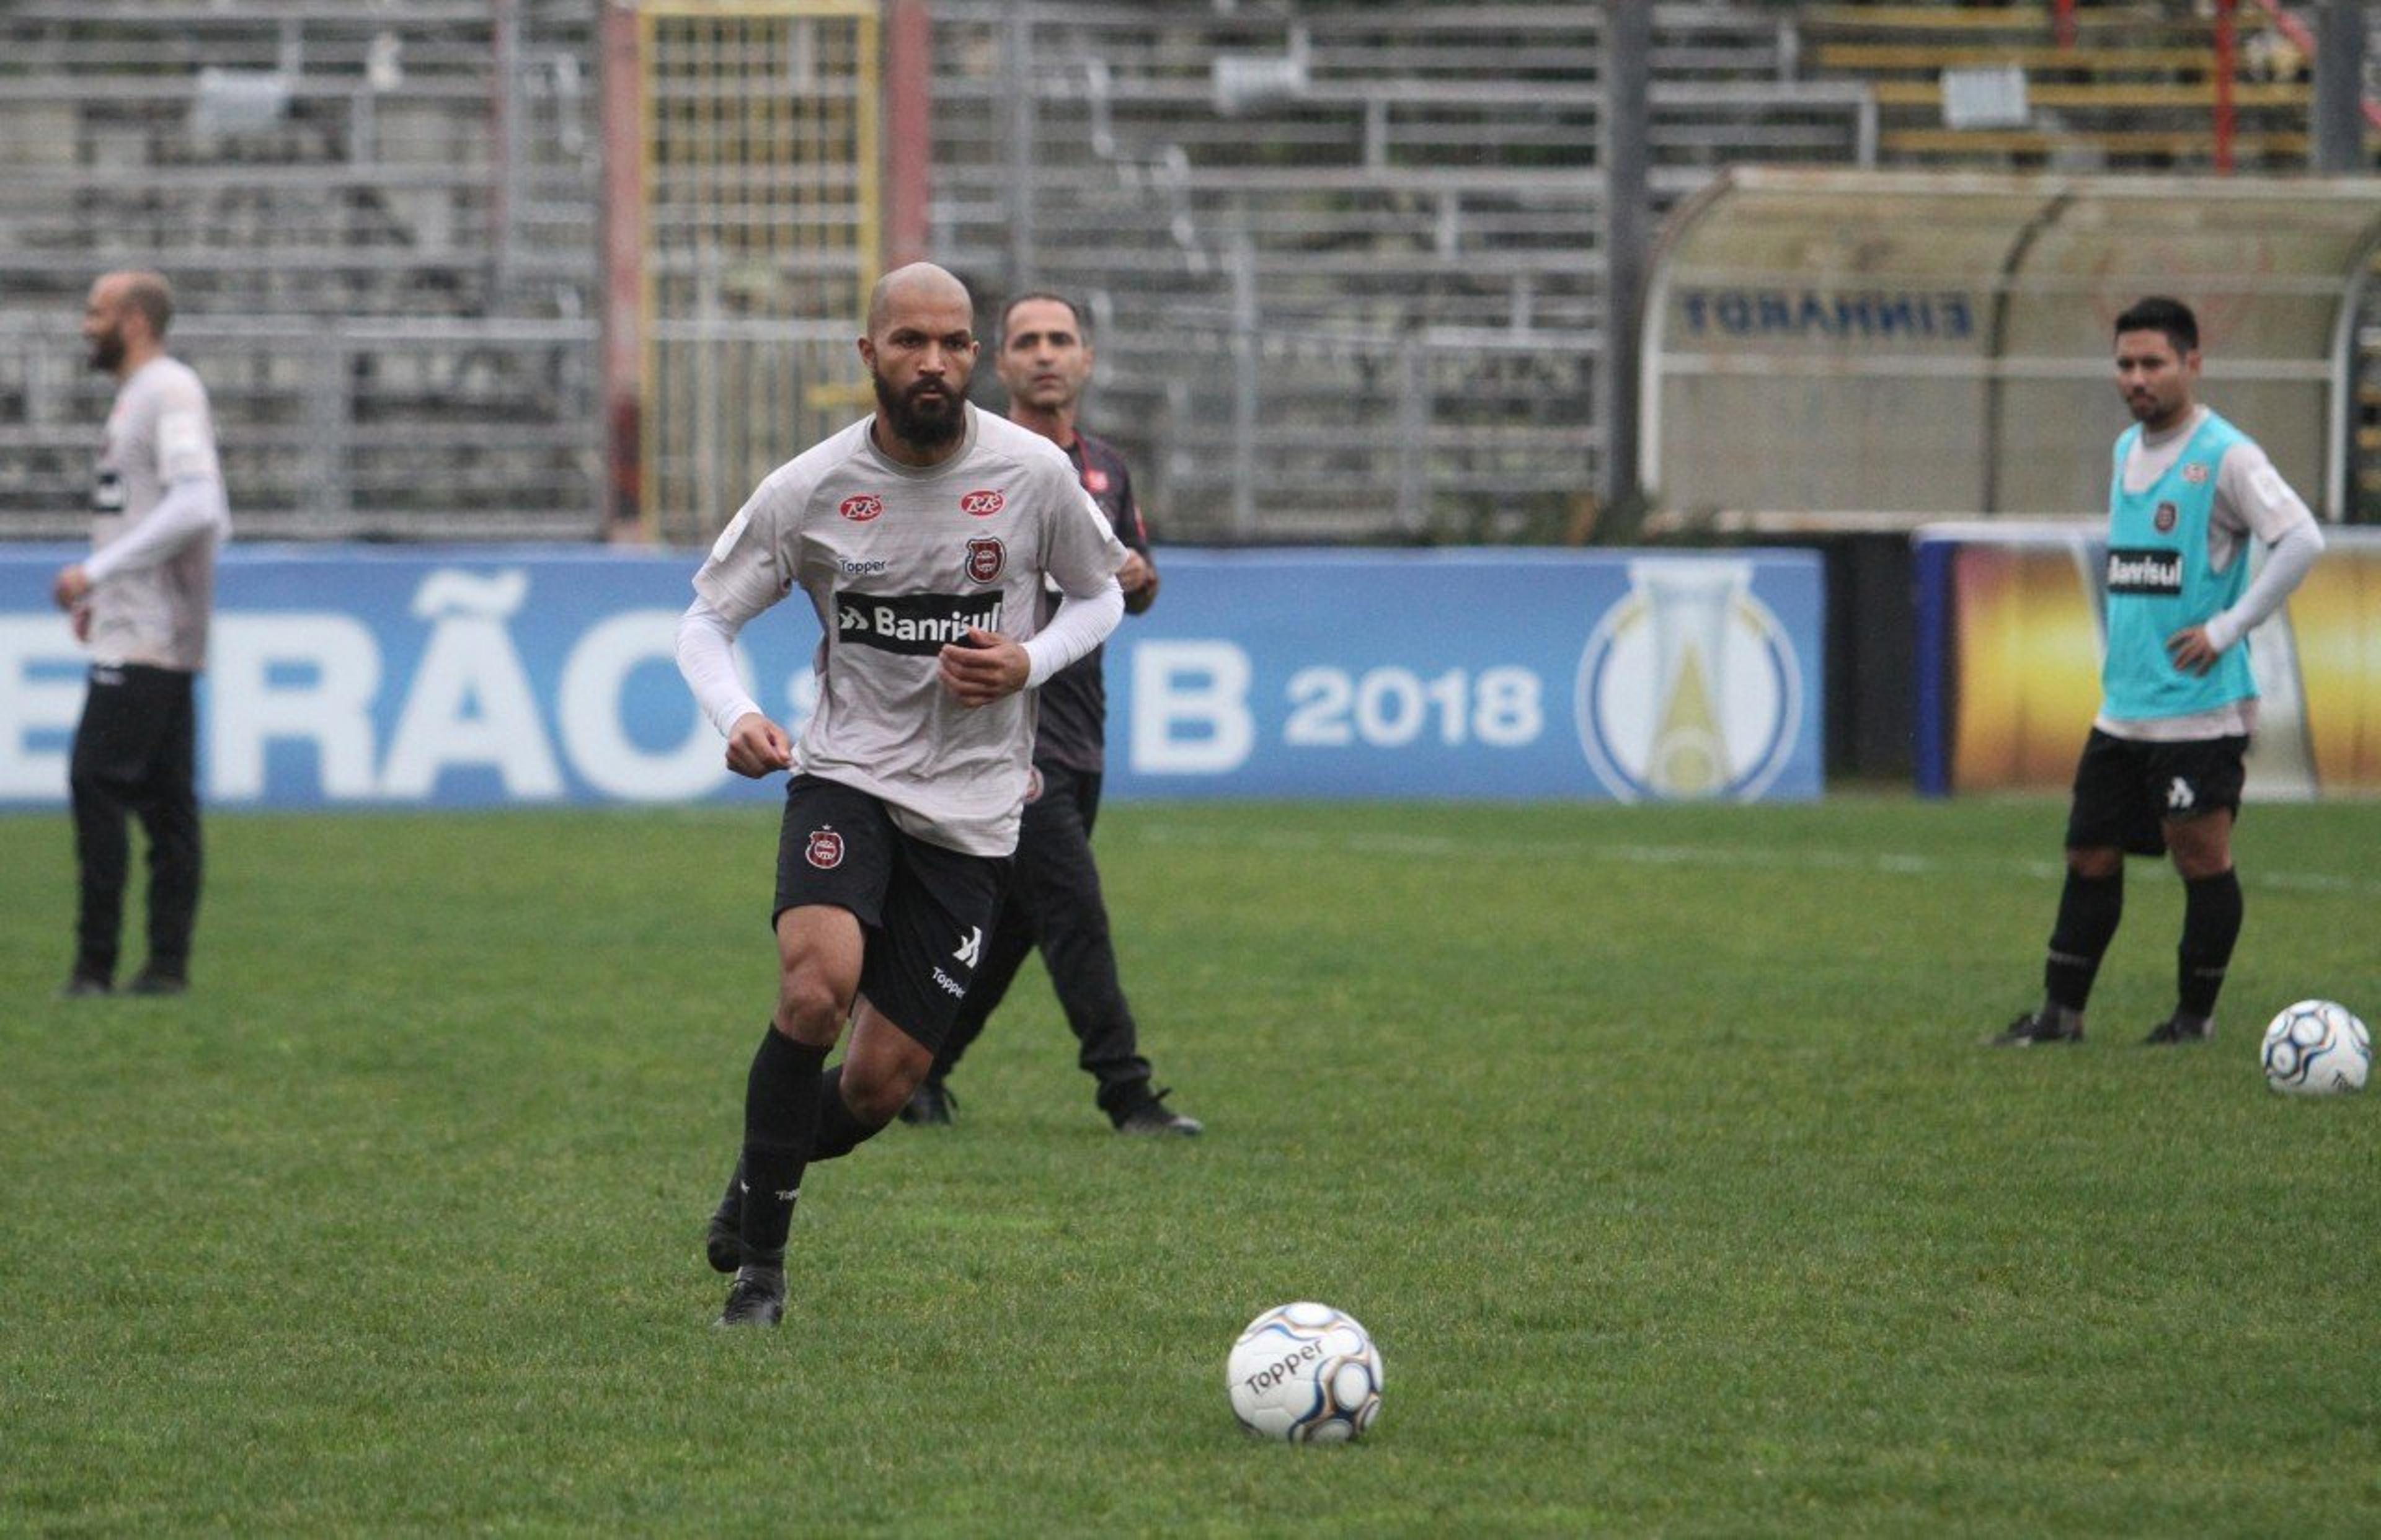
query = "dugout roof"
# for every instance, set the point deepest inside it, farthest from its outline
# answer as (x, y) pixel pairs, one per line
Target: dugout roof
(1866, 343)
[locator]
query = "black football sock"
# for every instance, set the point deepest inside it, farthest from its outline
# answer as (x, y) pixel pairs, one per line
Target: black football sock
(840, 1129)
(2089, 908)
(780, 1123)
(731, 1202)
(2211, 923)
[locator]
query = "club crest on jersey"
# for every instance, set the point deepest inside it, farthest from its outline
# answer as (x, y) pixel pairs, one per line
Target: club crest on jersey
(1095, 479)
(862, 508)
(2195, 474)
(2165, 516)
(825, 850)
(982, 503)
(985, 557)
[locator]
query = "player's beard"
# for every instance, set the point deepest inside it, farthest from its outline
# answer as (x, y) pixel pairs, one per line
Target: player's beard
(107, 352)
(922, 425)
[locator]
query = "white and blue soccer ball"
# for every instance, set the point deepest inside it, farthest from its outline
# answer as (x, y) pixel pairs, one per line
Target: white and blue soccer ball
(1305, 1374)
(2316, 1048)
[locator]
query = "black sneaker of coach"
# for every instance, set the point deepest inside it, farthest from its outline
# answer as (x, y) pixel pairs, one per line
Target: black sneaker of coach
(1149, 1115)
(2039, 1026)
(757, 1297)
(930, 1107)
(85, 986)
(158, 985)
(2179, 1028)
(723, 1237)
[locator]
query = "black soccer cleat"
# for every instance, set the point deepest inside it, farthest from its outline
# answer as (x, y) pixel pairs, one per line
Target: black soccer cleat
(2180, 1029)
(930, 1107)
(1151, 1117)
(757, 1297)
(158, 985)
(85, 986)
(2037, 1027)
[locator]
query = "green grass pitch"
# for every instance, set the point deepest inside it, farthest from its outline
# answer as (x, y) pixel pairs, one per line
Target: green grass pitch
(1655, 1146)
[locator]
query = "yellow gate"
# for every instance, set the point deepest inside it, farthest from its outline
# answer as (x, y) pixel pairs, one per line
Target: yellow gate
(760, 197)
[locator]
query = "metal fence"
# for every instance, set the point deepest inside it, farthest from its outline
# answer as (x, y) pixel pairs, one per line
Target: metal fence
(423, 429)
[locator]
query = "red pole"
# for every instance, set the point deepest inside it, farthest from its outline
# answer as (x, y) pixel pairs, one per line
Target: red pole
(908, 129)
(2224, 65)
(2062, 23)
(623, 252)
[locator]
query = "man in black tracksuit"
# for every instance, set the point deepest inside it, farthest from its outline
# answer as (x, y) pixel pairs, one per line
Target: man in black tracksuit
(1053, 899)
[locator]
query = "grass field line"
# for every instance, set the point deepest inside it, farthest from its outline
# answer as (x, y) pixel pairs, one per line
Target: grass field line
(1749, 857)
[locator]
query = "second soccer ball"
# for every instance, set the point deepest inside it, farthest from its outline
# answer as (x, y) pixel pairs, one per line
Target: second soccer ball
(2316, 1048)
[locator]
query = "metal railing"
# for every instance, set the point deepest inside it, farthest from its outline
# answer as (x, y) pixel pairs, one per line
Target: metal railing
(360, 429)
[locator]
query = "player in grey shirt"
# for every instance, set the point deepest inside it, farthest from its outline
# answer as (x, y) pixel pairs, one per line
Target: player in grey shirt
(142, 601)
(921, 537)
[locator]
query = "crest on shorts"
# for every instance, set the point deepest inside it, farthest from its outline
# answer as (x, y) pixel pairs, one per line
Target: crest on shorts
(985, 556)
(825, 850)
(1033, 784)
(2165, 516)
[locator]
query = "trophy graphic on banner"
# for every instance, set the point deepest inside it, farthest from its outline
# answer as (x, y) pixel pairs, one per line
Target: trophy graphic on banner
(1689, 603)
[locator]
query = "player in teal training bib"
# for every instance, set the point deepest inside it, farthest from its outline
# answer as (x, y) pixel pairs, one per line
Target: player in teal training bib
(2160, 582)
(2162, 771)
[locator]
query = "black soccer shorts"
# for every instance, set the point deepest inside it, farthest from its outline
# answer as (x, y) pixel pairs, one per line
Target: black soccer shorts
(923, 909)
(2127, 791)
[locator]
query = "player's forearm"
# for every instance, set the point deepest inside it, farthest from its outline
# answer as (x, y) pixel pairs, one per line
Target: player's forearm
(190, 511)
(706, 658)
(2285, 568)
(1080, 626)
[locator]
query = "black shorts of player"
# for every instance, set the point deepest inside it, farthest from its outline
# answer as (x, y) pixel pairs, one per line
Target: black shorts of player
(923, 909)
(2127, 791)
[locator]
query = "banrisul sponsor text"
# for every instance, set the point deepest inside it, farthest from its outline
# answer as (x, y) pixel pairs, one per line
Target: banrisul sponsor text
(2144, 572)
(918, 624)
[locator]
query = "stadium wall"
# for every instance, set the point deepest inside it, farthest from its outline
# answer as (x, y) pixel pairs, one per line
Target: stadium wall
(2008, 671)
(456, 677)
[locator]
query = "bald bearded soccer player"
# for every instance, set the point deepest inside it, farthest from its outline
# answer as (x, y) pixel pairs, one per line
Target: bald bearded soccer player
(921, 536)
(142, 601)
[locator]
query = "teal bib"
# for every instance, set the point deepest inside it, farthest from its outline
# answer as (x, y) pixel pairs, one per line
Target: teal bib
(2159, 582)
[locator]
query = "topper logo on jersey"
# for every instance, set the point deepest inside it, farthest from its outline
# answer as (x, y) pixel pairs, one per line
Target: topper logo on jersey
(917, 625)
(825, 850)
(984, 558)
(2144, 572)
(2164, 518)
(862, 508)
(984, 503)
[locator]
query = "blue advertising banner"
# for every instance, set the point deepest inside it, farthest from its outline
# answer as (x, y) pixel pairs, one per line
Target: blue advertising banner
(473, 676)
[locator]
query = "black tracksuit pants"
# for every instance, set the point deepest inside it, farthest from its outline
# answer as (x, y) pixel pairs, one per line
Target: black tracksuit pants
(1052, 901)
(136, 755)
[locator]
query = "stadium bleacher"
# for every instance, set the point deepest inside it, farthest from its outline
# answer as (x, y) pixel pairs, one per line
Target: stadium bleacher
(2134, 89)
(379, 222)
(1345, 259)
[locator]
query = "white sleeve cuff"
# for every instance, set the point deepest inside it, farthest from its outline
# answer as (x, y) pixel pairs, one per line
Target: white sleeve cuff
(2285, 566)
(707, 657)
(189, 511)
(1080, 626)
